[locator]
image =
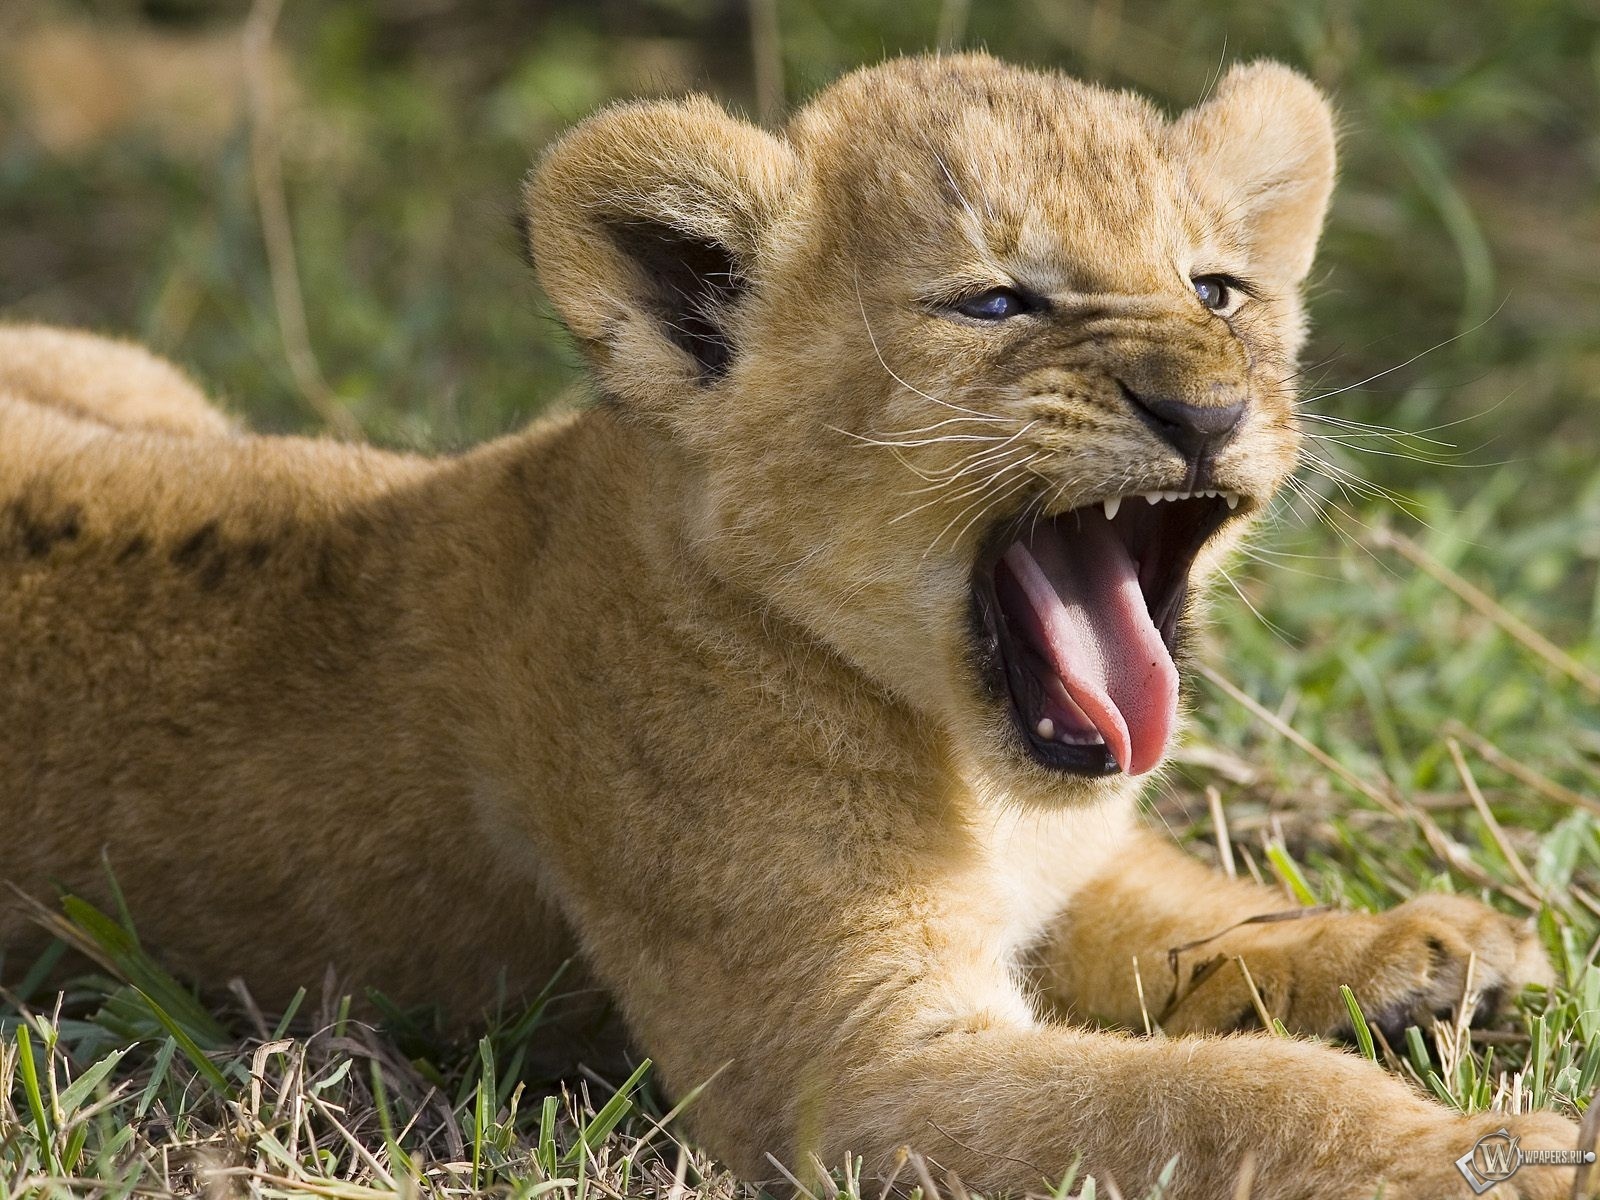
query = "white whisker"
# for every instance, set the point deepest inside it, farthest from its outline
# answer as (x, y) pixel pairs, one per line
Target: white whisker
(1274, 629)
(947, 496)
(986, 502)
(1391, 370)
(873, 338)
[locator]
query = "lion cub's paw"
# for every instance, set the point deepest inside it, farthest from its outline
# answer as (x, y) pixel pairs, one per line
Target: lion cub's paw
(1406, 966)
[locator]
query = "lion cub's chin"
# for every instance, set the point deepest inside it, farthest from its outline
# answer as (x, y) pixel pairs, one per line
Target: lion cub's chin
(1002, 772)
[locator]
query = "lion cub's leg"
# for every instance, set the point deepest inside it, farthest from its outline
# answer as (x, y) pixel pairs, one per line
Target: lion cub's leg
(1006, 1110)
(875, 1022)
(98, 379)
(1189, 928)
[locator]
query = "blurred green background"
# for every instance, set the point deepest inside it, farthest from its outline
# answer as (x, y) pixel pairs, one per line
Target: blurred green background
(1457, 298)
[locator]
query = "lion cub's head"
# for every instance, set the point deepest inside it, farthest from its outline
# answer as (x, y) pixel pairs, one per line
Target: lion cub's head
(970, 365)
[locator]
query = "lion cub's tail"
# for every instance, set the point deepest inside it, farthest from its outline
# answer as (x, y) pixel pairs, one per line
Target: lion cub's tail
(105, 381)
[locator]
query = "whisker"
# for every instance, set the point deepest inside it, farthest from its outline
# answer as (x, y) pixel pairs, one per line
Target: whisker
(1343, 477)
(873, 338)
(893, 433)
(1431, 458)
(936, 441)
(1021, 481)
(986, 501)
(945, 496)
(1420, 354)
(979, 457)
(1361, 429)
(976, 461)
(1275, 629)
(1274, 560)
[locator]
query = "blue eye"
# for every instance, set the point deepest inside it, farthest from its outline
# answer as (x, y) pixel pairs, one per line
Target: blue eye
(997, 304)
(1214, 290)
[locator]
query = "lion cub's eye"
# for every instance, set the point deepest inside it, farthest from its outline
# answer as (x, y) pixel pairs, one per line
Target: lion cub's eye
(1215, 291)
(997, 304)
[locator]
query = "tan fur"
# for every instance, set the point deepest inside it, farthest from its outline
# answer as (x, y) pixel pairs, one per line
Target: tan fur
(115, 383)
(682, 683)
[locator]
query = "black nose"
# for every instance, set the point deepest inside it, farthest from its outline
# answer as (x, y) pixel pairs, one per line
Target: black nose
(1193, 430)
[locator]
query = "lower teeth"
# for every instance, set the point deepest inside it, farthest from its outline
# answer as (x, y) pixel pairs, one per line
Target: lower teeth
(1046, 729)
(1082, 739)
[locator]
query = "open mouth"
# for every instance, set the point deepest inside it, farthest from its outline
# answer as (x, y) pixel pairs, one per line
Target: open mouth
(1078, 613)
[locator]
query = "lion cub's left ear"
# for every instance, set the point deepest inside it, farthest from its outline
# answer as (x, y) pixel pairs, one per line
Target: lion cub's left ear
(1263, 148)
(647, 224)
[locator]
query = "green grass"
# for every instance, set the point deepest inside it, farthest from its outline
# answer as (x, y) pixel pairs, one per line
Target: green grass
(193, 1099)
(1454, 377)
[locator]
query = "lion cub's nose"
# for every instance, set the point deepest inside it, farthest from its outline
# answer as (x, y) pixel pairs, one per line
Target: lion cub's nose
(1193, 430)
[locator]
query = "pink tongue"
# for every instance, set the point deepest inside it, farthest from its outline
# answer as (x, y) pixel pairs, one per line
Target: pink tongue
(1098, 636)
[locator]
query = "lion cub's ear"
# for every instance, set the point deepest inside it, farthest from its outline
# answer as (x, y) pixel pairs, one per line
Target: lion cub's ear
(646, 224)
(1263, 146)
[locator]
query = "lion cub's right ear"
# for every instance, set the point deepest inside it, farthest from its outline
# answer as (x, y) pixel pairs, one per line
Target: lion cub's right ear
(647, 224)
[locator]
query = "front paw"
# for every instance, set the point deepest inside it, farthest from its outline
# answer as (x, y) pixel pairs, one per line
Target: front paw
(1405, 966)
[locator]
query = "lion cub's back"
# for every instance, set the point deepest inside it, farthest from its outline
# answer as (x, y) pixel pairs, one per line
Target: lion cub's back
(98, 379)
(188, 619)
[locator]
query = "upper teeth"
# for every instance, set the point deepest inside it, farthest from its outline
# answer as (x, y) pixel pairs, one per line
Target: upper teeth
(1113, 504)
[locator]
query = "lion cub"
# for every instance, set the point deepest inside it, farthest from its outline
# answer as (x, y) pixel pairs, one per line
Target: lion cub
(802, 687)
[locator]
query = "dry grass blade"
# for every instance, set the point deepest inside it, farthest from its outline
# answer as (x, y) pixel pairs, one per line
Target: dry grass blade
(766, 55)
(1219, 826)
(1519, 770)
(1256, 999)
(266, 164)
(792, 1178)
(1144, 1008)
(1507, 850)
(901, 1157)
(1485, 604)
(953, 16)
(1246, 1183)
(1383, 799)
(919, 1165)
(1440, 842)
